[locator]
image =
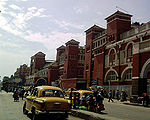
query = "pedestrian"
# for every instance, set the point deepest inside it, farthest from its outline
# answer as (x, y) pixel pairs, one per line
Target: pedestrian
(22, 93)
(145, 100)
(70, 97)
(26, 93)
(123, 96)
(95, 95)
(74, 100)
(105, 94)
(102, 92)
(83, 101)
(110, 96)
(78, 99)
(113, 94)
(117, 95)
(91, 103)
(100, 99)
(16, 96)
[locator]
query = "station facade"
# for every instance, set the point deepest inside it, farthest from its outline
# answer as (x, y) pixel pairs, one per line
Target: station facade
(118, 57)
(66, 72)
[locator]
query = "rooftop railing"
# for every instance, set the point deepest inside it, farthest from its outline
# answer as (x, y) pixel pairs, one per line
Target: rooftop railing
(134, 31)
(145, 44)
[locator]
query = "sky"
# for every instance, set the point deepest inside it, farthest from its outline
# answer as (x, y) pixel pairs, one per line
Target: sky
(31, 26)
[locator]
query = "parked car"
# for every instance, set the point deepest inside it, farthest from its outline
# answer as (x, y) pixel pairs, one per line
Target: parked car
(67, 92)
(80, 94)
(83, 92)
(46, 100)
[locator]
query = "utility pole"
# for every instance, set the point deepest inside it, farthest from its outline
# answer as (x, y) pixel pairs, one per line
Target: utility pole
(0, 84)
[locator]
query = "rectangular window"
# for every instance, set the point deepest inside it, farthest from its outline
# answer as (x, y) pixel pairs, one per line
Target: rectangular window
(98, 43)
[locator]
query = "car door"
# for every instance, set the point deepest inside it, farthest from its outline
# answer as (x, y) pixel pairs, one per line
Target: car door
(30, 99)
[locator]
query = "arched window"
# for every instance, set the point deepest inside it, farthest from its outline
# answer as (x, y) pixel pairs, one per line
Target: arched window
(111, 76)
(112, 57)
(128, 75)
(129, 51)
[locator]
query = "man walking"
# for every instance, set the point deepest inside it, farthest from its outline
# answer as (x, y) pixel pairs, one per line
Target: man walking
(117, 95)
(110, 96)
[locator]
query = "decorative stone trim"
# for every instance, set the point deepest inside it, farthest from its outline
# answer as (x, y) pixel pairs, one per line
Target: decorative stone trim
(111, 69)
(122, 74)
(144, 68)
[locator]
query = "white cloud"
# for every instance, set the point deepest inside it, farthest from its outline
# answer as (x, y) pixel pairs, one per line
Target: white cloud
(2, 6)
(65, 25)
(22, 0)
(6, 24)
(99, 13)
(39, 13)
(80, 10)
(55, 39)
(10, 62)
(33, 12)
(16, 22)
(8, 44)
(32, 9)
(15, 7)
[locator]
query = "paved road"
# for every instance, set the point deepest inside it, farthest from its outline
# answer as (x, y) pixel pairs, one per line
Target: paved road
(126, 112)
(10, 110)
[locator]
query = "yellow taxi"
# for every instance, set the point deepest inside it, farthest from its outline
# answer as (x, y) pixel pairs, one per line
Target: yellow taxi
(79, 95)
(69, 90)
(83, 92)
(47, 100)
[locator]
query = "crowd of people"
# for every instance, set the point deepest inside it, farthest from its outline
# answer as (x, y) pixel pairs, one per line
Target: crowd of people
(20, 93)
(92, 101)
(122, 96)
(89, 101)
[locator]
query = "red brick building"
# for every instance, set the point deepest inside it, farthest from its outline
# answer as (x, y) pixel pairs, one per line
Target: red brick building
(38, 70)
(118, 57)
(66, 71)
(22, 72)
(71, 65)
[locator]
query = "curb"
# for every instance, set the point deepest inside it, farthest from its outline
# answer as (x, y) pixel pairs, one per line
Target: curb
(135, 104)
(84, 115)
(91, 115)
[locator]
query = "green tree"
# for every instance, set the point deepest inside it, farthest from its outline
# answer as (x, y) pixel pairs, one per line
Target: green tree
(6, 81)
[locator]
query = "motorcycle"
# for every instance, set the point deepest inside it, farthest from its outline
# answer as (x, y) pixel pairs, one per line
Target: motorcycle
(99, 108)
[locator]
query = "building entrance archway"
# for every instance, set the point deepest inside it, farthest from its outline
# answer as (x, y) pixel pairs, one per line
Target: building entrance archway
(145, 76)
(41, 81)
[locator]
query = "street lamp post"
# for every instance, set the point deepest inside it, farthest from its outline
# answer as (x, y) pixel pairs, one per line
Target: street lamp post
(109, 84)
(0, 84)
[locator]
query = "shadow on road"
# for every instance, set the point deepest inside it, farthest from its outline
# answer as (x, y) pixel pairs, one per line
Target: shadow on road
(47, 117)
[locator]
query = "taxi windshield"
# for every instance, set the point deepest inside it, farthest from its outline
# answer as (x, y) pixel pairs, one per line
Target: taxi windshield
(52, 93)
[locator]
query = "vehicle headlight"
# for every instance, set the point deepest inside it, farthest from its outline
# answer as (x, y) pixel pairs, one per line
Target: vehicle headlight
(69, 101)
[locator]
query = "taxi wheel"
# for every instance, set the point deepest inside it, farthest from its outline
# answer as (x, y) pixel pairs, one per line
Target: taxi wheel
(66, 115)
(34, 115)
(24, 109)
